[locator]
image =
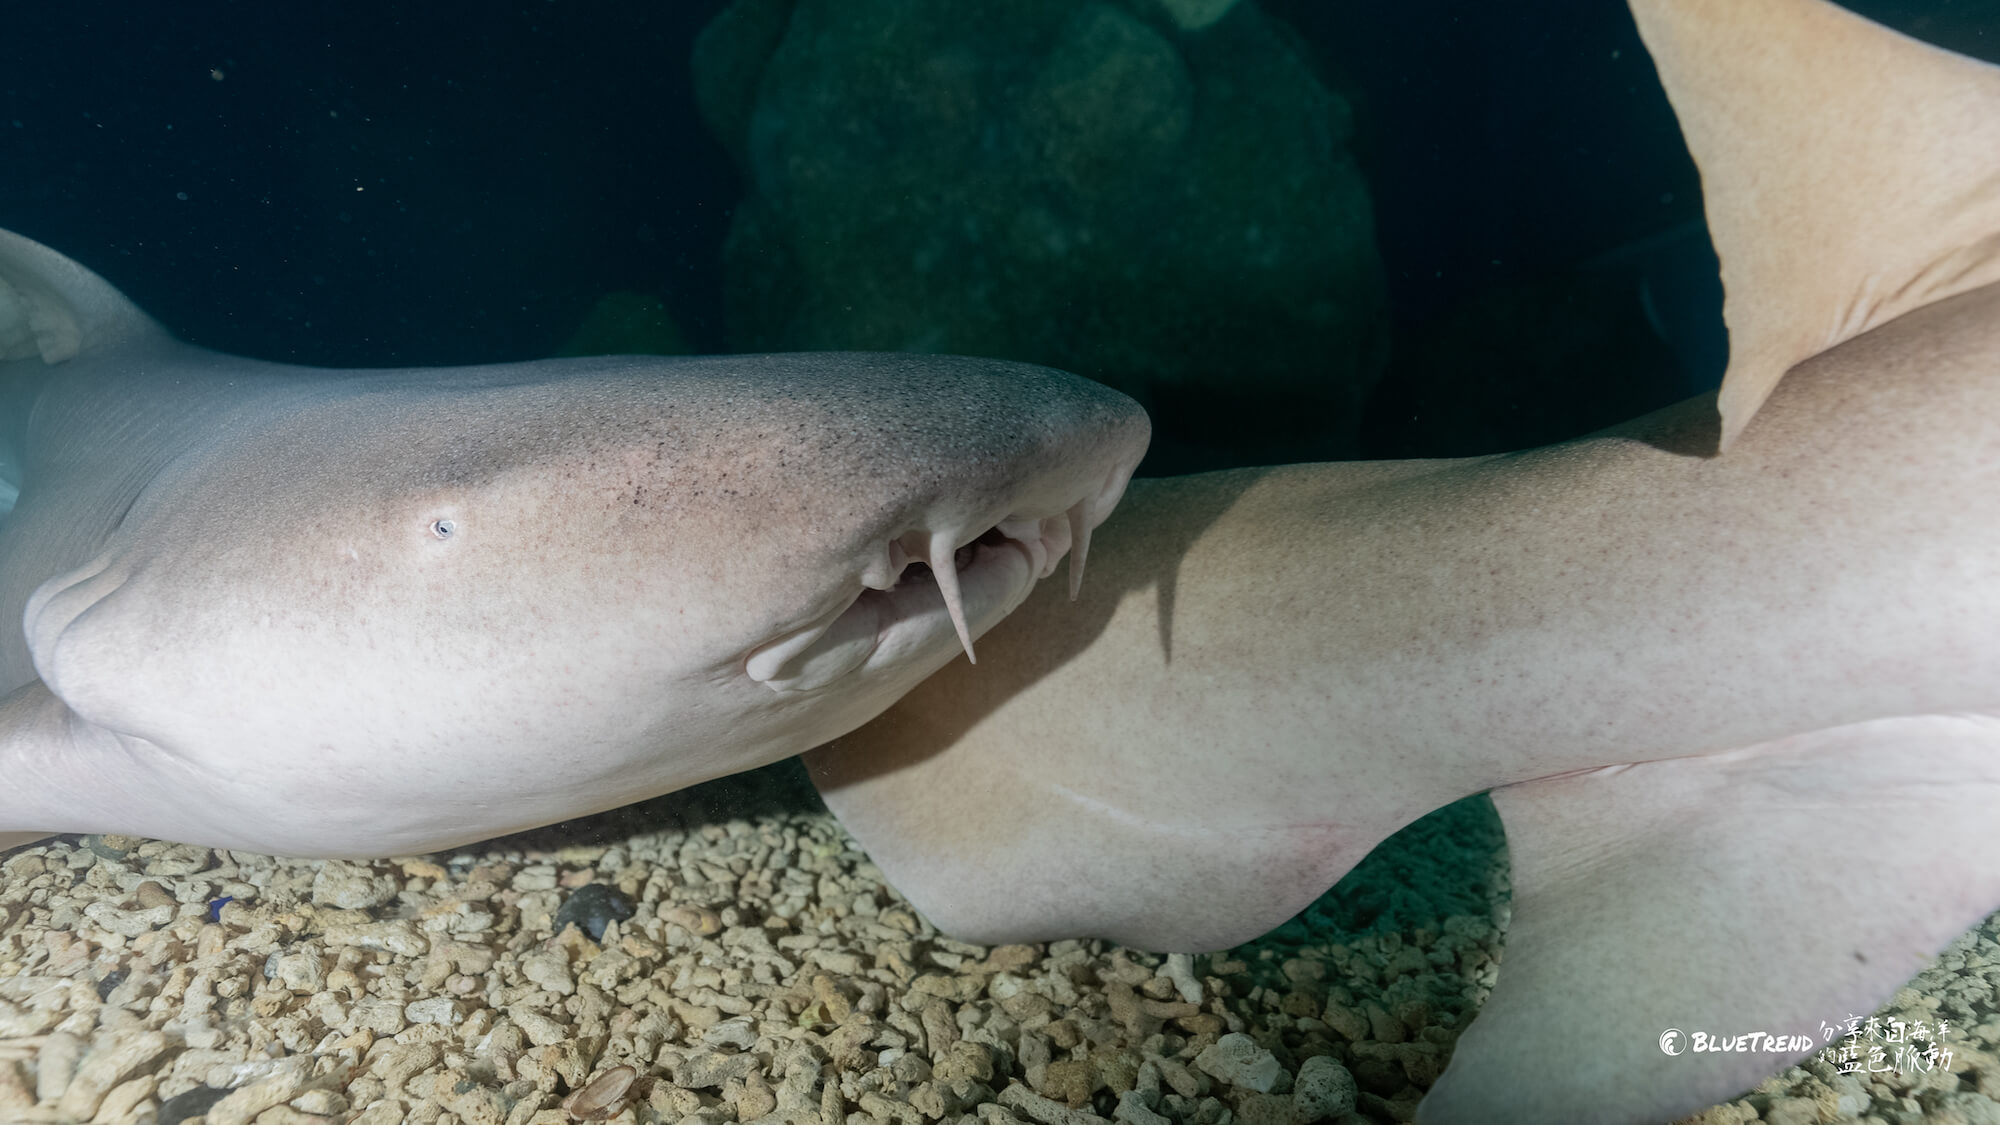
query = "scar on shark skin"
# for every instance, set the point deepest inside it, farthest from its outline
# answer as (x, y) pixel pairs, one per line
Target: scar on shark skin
(249, 592)
(1729, 670)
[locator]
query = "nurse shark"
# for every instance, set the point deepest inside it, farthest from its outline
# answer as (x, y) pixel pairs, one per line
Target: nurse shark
(1731, 671)
(375, 612)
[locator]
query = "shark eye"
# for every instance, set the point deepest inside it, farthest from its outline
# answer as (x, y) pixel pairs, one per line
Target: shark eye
(443, 529)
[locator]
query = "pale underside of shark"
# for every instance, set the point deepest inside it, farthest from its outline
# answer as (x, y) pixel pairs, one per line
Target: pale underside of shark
(1740, 713)
(366, 613)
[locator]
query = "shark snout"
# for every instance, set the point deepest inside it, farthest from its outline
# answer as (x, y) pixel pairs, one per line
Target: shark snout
(1045, 538)
(932, 583)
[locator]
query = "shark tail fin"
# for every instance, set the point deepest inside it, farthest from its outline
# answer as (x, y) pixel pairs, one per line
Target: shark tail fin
(1780, 889)
(51, 311)
(1850, 174)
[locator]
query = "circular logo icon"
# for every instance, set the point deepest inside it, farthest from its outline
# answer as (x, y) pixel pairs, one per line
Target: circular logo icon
(1670, 1041)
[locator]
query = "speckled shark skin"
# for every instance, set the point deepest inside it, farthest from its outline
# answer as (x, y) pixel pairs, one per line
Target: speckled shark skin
(363, 613)
(1740, 711)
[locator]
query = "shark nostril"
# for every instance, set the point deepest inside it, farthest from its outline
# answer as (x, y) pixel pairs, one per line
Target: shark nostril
(962, 558)
(913, 568)
(1079, 546)
(916, 554)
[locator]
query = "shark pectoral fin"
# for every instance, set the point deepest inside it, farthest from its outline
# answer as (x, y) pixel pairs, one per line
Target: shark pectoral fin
(60, 772)
(1776, 890)
(1850, 174)
(38, 764)
(52, 308)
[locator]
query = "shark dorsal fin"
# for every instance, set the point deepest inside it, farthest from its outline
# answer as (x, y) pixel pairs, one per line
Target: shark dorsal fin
(1850, 174)
(53, 309)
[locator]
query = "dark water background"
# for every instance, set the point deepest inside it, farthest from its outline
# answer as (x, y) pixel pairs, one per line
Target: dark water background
(383, 184)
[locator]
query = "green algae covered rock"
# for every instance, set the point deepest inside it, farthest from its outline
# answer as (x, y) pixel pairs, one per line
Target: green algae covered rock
(1087, 185)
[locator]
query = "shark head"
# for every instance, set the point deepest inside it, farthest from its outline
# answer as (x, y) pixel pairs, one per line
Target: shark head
(457, 602)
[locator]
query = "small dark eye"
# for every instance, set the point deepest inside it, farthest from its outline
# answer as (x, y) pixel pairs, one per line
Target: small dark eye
(443, 528)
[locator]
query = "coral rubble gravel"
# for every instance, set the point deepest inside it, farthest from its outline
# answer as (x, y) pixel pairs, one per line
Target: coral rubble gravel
(763, 974)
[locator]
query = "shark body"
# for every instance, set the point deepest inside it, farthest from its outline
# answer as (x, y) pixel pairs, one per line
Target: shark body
(362, 613)
(1739, 711)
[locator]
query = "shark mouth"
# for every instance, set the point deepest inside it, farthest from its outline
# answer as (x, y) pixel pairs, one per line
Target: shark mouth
(895, 613)
(1046, 540)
